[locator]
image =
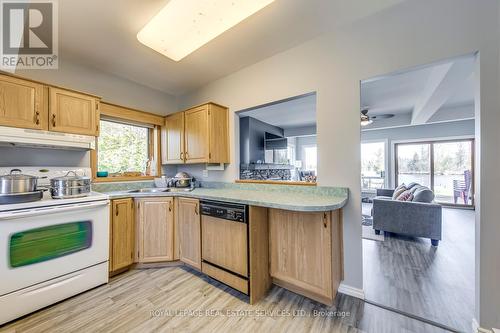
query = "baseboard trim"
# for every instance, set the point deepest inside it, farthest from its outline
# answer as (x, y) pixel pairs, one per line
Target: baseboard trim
(478, 329)
(351, 291)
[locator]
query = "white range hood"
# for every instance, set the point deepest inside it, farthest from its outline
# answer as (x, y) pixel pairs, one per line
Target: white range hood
(20, 137)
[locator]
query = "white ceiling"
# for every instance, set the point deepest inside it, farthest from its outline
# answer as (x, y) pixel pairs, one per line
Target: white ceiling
(293, 113)
(406, 92)
(102, 34)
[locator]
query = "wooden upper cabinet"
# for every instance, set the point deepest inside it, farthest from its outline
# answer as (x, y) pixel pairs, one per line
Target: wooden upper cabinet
(205, 139)
(122, 234)
(155, 236)
(22, 103)
(188, 224)
(173, 139)
(196, 135)
(72, 112)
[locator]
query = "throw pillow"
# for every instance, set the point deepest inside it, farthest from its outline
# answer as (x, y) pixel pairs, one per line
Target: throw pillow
(400, 189)
(405, 196)
(423, 194)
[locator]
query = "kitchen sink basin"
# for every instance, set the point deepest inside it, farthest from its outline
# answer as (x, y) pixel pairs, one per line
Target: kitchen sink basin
(161, 189)
(150, 190)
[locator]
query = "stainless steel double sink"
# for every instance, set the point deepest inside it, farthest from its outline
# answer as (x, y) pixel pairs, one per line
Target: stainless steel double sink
(161, 189)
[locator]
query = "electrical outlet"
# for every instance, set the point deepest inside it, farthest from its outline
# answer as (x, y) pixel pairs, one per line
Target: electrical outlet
(205, 173)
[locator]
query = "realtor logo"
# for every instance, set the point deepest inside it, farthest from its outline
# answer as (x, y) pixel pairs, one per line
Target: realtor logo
(29, 36)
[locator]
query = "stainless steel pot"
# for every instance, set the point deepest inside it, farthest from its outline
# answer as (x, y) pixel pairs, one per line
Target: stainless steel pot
(69, 186)
(16, 182)
(182, 179)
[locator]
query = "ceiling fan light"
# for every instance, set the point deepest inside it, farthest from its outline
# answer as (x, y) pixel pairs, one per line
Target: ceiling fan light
(366, 122)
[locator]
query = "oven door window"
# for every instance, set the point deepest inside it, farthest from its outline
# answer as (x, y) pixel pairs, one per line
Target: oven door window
(46, 243)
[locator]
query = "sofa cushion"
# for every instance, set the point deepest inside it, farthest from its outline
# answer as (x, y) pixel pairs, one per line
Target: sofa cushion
(423, 194)
(400, 189)
(412, 185)
(415, 188)
(405, 196)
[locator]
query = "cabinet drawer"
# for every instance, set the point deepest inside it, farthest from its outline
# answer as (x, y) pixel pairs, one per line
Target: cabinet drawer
(231, 280)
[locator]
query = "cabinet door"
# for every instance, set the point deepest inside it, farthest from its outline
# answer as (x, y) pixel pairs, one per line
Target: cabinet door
(156, 230)
(219, 134)
(72, 112)
(122, 234)
(173, 139)
(301, 251)
(188, 213)
(21, 103)
(196, 135)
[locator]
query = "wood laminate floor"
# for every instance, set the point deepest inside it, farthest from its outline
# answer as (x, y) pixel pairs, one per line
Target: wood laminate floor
(159, 300)
(410, 275)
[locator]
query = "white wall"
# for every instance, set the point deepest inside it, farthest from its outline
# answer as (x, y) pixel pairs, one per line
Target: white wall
(111, 88)
(409, 34)
(438, 131)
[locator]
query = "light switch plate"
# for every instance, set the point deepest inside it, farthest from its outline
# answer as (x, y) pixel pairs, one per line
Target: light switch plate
(205, 173)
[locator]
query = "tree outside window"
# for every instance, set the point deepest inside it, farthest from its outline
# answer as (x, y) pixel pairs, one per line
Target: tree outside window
(122, 147)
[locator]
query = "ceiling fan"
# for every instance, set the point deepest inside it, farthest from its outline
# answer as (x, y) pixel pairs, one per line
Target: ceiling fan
(367, 120)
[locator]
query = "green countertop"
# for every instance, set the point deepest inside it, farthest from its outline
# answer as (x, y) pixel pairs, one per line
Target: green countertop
(289, 197)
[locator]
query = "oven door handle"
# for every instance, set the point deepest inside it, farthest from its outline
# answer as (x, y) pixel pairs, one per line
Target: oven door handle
(16, 214)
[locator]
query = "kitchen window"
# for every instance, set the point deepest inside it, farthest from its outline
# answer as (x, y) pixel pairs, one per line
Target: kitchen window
(126, 150)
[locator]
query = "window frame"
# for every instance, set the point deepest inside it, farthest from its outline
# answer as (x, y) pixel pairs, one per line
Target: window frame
(431, 144)
(120, 114)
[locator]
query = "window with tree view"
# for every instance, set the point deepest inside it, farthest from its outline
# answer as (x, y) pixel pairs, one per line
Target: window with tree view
(372, 165)
(122, 148)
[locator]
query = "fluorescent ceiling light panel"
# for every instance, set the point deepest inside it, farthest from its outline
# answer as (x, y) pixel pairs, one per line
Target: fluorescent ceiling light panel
(183, 26)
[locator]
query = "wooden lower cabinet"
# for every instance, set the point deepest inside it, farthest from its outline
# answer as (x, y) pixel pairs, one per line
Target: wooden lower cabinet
(122, 234)
(155, 229)
(188, 224)
(305, 252)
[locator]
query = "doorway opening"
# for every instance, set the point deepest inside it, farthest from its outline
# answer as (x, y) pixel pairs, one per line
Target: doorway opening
(417, 167)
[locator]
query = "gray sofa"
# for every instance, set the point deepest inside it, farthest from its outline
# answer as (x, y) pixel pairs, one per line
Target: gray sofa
(416, 219)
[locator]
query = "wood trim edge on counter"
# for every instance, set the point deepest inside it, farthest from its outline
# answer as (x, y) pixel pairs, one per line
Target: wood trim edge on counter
(274, 182)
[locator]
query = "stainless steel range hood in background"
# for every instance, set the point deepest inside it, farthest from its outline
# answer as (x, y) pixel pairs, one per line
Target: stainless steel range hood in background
(20, 137)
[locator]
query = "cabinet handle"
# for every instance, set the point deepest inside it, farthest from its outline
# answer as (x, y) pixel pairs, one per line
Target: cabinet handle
(37, 117)
(187, 155)
(53, 120)
(196, 209)
(116, 212)
(324, 220)
(182, 156)
(170, 206)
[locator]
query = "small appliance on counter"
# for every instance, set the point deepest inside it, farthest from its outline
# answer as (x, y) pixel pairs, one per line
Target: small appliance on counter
(182, 179)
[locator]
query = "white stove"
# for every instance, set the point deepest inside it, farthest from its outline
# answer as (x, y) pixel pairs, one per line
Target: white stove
(47, 201)
(51, 249)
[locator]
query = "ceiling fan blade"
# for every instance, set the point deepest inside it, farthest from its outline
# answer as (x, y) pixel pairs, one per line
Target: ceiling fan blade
(382, 116)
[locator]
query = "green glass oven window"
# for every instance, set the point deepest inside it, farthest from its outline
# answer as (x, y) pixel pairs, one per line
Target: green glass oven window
(46, 243)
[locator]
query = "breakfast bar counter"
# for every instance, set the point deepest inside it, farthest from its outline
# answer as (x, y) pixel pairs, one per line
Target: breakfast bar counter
(290, 197)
